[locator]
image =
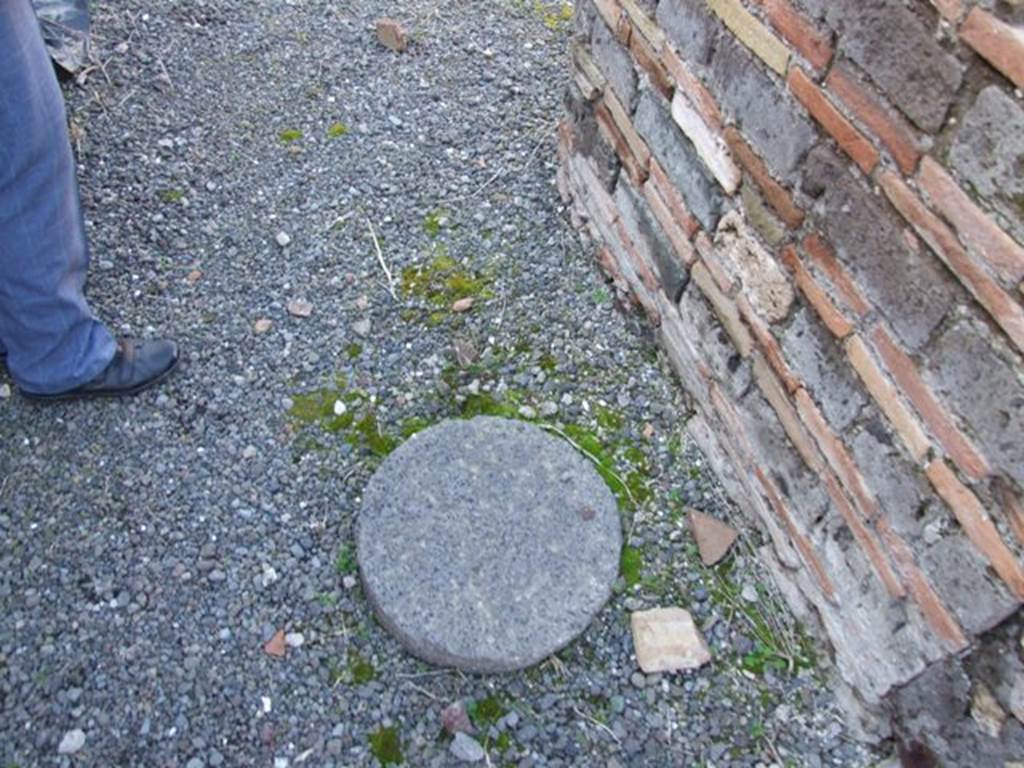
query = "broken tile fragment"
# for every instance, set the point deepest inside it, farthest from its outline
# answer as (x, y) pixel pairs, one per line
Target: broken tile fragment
(714, 538)
(667, 640)
(392, 35)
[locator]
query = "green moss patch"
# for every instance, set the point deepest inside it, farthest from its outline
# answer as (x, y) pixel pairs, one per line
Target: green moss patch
(487, 711)
(360, 670)
(443, 281)
(386, 746)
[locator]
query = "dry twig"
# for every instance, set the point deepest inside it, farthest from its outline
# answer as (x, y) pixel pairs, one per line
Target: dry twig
(383, 264)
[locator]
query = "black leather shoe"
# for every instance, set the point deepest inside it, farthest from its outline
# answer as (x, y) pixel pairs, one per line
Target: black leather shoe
(137, 365)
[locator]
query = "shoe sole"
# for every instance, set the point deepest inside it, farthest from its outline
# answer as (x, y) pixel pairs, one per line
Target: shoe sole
(101, 394)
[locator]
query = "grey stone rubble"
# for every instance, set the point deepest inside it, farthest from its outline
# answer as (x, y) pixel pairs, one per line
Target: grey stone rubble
(144, 564)
(487, 545)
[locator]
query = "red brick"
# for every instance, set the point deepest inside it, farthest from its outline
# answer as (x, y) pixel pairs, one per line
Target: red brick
(673, 198)
(822, 254)
(713, 261)
(675, 233)
(725, 308)
(904, 372)
(866, 539)
(816, 295)
(891, 130)
(640, 266)
(887, 398)
(1004, 310)
(951, 10)
(800, 541)
(606, 260)
(606, 124)
(586, 74)
(977, 525)
(649, 61)
(610, 11)
(636, 144)
(689, 84)
(812, 45)
(836, 454)
(767, 343)
(774, 193)
(1013, 508)
(977, 231)
(935, 613)
(724, 408)
(565, 138)
(776, 396)
(644, 24)
(997, 42)
(850, 140)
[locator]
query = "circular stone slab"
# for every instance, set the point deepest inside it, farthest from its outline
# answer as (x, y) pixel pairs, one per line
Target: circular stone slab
(487, 544)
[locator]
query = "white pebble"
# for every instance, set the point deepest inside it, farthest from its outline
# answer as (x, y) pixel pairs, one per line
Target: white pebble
(282, 239)
(73, 741)
(339, 408)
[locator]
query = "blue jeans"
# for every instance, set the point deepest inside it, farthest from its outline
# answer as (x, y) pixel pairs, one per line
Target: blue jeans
(52, 339)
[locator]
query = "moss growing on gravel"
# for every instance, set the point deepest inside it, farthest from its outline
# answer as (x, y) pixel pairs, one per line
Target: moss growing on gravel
(442, 281)
(171, 196)
(631, 564)
(337, 130)
(345, 562)
(386, 746)
(360, 670)
(353, 350)
(288, 135)
(487, 711)
(339, 410)
(433, 221)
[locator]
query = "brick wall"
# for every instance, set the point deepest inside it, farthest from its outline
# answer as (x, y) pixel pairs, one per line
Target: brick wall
(819, 204)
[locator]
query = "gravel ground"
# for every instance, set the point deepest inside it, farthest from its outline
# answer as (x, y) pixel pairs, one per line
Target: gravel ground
(151, 547)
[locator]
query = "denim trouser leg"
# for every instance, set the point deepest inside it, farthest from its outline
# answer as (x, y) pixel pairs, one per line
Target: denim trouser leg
(52, 339)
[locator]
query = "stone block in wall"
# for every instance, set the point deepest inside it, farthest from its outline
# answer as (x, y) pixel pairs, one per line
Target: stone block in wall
(689, 27)
(879, 641)
(774, 451)
(899, 487)
(988, 153)
(905, 282)
(962, 578)
(677, 156)
(900, 54)
(954, 567)
(985, 387)
(767, 115)
(819, 361)
(766, 286)
(649, 238)
(933, 709)
(587, 138)
(712, 343)
(614, 61)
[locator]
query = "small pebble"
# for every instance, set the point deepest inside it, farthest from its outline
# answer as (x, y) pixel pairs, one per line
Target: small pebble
(72, 742)
(283, 239)
(466, 748)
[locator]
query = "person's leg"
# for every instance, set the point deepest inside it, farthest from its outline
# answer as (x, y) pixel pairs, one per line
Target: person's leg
(53, 341)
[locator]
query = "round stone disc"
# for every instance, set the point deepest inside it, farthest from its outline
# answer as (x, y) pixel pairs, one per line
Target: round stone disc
(487, 544)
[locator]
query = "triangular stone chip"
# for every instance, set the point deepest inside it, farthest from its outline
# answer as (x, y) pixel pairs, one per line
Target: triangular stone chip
(714, 538)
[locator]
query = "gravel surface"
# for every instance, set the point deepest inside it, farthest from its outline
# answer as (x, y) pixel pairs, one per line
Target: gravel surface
(234, 158)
